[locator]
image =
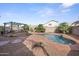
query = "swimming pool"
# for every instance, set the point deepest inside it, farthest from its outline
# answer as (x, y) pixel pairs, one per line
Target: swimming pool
(59, 39)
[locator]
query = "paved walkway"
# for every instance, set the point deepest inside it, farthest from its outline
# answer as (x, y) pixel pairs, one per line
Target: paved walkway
(14, 48)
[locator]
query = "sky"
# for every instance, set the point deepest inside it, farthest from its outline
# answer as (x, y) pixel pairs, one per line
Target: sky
(38, 13)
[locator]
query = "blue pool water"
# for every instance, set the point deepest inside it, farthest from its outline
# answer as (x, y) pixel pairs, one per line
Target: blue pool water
(59, 39)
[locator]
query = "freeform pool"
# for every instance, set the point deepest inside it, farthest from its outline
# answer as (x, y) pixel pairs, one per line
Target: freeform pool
(59, 39)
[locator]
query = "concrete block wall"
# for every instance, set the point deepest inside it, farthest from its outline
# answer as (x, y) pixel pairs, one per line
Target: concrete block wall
(75, 30)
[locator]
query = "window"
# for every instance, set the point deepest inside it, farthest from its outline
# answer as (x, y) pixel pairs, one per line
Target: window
(50, 24)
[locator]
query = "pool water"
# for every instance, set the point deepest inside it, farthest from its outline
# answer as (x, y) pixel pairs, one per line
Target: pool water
(59, 39)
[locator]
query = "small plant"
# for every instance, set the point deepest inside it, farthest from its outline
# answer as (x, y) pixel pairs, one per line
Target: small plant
(38, 44)
(13, 35)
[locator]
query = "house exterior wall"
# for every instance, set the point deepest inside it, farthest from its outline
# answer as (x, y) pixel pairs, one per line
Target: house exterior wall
(75, 30)
(51, 26)
(50, 29)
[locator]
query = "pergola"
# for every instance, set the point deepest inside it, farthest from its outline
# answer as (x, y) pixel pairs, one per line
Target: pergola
(11, 25)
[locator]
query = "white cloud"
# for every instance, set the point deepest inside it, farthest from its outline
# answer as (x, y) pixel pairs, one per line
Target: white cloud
(65, 10)
(66, 5)
(10, 15)
(46, 12)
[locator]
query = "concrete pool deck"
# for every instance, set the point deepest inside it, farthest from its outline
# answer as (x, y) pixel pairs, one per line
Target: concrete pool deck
(22, 46)
(10, 46)
(52, 48)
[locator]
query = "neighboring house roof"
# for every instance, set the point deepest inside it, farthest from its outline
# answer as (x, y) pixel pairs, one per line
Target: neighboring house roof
(76, 23)
(51, 23)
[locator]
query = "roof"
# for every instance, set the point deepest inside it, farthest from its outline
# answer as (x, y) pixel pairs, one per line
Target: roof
(14, 23)
(76, 23)
(51, 21)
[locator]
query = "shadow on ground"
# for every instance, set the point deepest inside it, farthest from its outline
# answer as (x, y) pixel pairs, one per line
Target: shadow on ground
(74, 50)
(73, 53)
(15, 50)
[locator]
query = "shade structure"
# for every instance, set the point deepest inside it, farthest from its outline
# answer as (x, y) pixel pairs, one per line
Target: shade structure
(11, 25)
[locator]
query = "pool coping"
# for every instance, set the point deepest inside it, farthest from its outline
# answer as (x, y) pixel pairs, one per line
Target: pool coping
(65, 36)
(70, 38)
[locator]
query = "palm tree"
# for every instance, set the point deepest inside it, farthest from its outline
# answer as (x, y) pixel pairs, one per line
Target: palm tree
(41, 45)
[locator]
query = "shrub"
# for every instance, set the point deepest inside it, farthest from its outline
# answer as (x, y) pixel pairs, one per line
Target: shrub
(40, 28)
(12, 35)
(1, 30)
(38, 44)
(26, 28)
(64, 28)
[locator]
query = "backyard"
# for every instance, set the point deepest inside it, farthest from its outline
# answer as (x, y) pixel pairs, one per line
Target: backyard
(39, 29)
(21, 45)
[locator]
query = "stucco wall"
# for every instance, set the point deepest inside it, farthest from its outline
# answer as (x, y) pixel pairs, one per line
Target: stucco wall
(50, 29)
(75, 30)
(51, 26)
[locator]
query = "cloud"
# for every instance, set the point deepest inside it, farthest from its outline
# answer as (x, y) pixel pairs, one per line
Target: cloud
(65, 10)
(10, 15)
(46, 12)
(67, 5)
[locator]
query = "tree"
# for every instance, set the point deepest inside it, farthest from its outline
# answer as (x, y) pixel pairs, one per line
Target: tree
(1, 30)
(40, 28)
(31, 29)
(64, 27)
(26, 28)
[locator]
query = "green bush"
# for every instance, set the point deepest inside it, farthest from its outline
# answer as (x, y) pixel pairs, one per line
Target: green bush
(12, 35)
(1, 30)
(38, 44)
(26, 28)
(40, 28)
(31, 29)
(64, 28)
